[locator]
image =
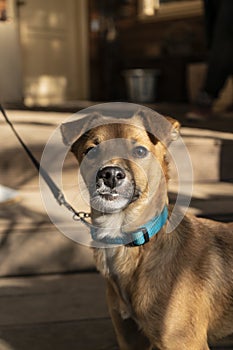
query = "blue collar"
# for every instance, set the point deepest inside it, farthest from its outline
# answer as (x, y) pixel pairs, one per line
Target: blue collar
(138, 237)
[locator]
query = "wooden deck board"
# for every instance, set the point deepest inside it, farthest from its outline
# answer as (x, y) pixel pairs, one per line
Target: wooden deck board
(96, 334)
(58, 312)
(55, 298)
(55, 312)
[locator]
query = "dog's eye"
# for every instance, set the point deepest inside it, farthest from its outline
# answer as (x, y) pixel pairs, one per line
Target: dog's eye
(91, 152)
(140, 152)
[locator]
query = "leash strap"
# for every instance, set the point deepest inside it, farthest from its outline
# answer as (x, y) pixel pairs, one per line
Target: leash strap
(57, 193)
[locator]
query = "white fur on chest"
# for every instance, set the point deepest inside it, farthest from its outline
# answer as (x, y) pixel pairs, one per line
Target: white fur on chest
(105, 258)
(105, 261)
(109, 225)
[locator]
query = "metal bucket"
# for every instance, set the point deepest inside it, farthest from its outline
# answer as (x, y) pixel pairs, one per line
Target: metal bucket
(141, 84)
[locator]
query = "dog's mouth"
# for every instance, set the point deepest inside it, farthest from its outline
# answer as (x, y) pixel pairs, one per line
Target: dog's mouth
(109, 196)
(108, 201)
(114, 190)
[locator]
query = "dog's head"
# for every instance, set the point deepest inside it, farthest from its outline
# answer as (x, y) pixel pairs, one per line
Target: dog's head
(122, 160)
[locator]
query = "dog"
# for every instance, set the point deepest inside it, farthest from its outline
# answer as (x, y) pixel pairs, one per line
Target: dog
(169, 291)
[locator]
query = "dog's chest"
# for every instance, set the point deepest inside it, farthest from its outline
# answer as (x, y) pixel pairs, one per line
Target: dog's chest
(103, 260)
(107, 262)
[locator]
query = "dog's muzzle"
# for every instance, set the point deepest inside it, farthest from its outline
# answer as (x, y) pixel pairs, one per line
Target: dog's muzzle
(114, 189)
(112, 176)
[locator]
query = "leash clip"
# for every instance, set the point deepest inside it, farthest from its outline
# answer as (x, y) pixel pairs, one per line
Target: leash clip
(80, 216)
(77, 216)
(61, 199)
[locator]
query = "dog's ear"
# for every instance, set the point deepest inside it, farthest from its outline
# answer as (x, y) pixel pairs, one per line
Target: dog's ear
(164, 129)
(73, 130)
(175, 131)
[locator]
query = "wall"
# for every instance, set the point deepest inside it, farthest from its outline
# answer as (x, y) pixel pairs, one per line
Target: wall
(55, 44)
(10, 59)
(169, 45)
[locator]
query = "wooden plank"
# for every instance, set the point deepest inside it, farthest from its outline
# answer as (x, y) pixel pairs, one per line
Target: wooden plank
(40, 251)
(58, 312)
(95, 334)
(53, 298)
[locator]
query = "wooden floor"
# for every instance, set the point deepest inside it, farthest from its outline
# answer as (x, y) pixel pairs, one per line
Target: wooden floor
(57, 312)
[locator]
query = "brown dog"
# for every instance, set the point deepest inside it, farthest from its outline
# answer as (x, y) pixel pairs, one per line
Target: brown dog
(172, 291)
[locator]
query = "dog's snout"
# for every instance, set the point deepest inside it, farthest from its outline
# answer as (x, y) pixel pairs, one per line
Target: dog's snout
(112, 176)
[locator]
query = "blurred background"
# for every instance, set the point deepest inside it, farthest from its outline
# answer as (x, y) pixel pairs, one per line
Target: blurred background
(55, 51)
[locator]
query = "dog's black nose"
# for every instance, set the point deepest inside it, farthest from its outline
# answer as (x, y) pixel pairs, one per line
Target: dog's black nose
(112, 176)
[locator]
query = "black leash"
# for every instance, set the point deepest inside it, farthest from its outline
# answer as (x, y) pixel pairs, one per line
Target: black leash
(57, 193)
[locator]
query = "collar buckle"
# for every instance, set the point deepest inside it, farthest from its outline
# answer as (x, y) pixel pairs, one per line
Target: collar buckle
(146, 237)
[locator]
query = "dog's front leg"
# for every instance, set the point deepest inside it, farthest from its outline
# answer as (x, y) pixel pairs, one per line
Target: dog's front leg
(129, 336)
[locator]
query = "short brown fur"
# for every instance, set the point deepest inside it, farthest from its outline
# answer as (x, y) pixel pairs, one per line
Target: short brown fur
(175, 292)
